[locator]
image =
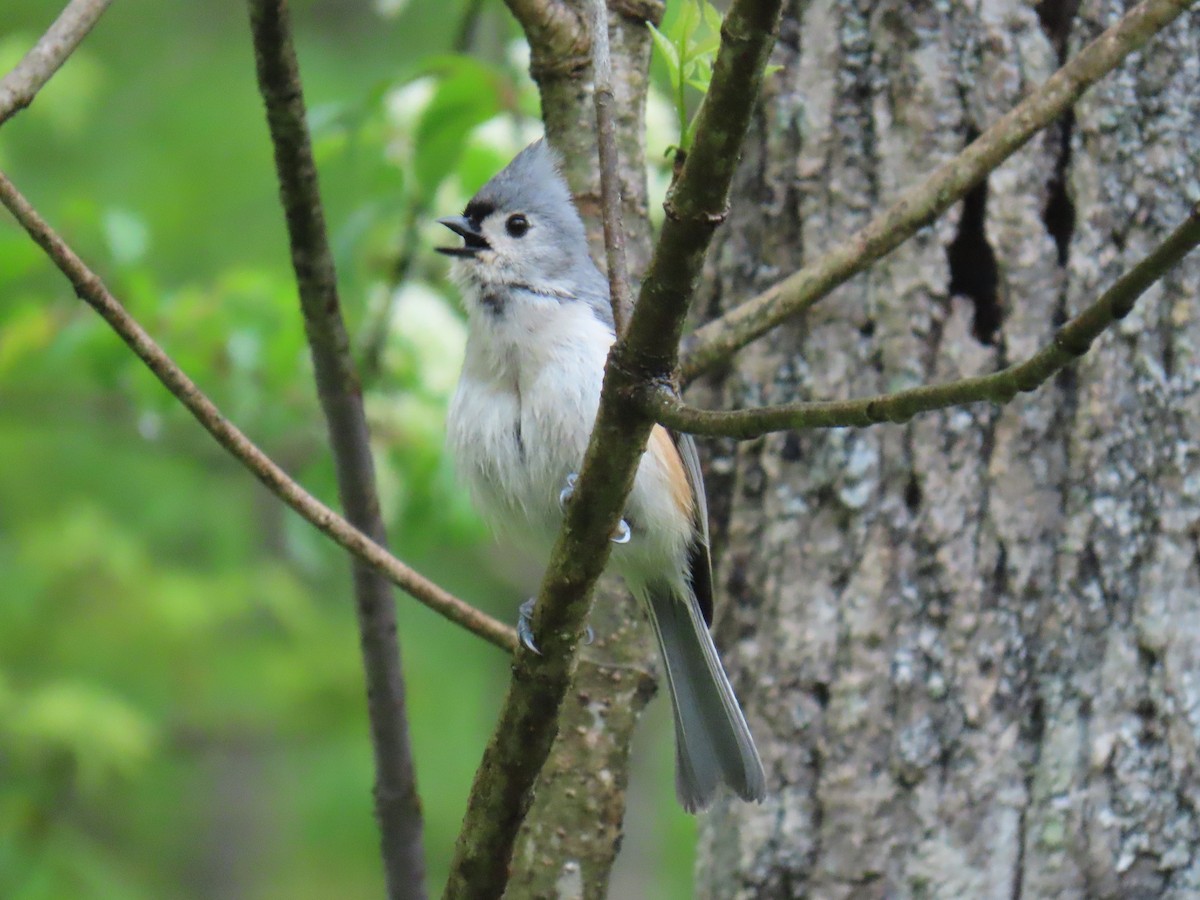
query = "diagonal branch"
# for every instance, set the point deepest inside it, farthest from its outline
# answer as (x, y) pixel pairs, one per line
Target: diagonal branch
(1071, 341)
(21, 85)
(920, 205)
(397, 804)
(647, 352)
(92, 291)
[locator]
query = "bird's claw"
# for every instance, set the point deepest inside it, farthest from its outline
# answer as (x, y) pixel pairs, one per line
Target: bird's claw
(525, 628)
(569, 491)
(621, 534)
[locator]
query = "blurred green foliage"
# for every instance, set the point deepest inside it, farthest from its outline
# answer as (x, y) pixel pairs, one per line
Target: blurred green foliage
(181, 701)
(687, 44)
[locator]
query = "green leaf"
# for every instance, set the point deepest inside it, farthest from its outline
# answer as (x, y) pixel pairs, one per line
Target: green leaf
(689, 42)
(667, 49)
(706, 48)
(688, 21)
(712, 17)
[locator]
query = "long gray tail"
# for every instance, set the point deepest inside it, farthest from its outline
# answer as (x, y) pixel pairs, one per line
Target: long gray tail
(712, 743)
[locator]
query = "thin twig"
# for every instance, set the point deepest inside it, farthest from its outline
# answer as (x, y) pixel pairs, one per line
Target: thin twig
(92, 291)
(610, 166)
(920, 205)
(1070, 342)
(645, 353)
(397, 804)
(20, 86)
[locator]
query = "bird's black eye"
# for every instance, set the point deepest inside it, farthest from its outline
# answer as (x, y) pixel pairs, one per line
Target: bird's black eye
(517, 225)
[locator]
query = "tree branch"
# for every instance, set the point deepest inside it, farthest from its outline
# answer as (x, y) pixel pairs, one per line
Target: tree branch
(647, 352)
(1070, 342)
(92, 291)
(397, 804)
(923, 203)
(610, 165)
(557, 36)
(20, 86)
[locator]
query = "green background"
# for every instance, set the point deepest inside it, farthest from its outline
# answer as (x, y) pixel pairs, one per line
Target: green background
(181, 701)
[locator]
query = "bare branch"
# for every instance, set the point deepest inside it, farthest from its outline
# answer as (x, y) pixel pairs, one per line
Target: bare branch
(397, 804)
(647, 352)
(1070, 342)
(923, 203)
(610, 183)
(92, 291)
(20, 86)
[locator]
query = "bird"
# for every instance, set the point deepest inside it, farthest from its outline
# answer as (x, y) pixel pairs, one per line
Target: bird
(539, 329)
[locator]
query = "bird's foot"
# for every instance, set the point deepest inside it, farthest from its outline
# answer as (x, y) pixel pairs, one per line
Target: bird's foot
(525, 627)
(565, 495)
(621, 534)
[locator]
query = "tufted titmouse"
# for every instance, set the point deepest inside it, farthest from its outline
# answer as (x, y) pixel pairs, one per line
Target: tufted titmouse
(540, 328)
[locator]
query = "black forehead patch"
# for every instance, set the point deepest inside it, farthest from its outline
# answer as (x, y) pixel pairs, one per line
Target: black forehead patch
(478, 210)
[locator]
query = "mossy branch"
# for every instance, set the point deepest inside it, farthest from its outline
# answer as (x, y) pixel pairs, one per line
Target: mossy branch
(1070, 342)
(721, 338)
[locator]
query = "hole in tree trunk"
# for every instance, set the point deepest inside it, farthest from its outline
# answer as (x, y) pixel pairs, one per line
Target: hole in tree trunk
(1057, 17)
(973, 272)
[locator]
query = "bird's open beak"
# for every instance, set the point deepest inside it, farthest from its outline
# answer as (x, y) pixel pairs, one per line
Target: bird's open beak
(473, 241)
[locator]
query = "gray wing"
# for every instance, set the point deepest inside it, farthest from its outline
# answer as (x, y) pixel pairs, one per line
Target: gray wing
(699, 556)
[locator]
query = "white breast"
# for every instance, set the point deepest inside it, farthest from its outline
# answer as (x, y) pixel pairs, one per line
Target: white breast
(520, 421)
(524, 408)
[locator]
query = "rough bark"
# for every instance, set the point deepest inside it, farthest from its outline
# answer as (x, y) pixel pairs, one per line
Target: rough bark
(965, 644)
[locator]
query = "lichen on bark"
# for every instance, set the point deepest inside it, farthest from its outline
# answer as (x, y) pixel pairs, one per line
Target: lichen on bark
(965, 643)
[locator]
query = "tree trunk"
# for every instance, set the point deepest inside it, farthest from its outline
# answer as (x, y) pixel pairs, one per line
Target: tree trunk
(967, 645)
